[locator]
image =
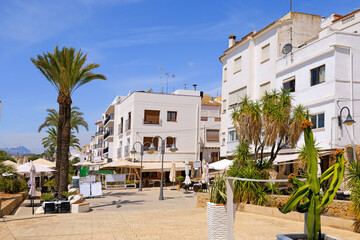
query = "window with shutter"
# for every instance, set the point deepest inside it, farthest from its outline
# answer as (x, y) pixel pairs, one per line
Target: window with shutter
(264, 88)
(265, 53)
(149, 140)
(151, 117)
(236, 97)
(237, 65)
(212, 135)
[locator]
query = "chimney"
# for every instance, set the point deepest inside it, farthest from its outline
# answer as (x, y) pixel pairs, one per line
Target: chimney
(194, 85)
(232, 40)
(322, 18)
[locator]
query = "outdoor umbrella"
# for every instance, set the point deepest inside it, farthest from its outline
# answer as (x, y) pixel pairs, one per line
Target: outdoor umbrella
(32, 191)
(25, 168)
(173, 172)
(207, 176)
(187, 178)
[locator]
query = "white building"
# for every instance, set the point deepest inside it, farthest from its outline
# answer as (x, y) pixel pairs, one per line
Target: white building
(141, 116)
(319, 72)
(210, 124)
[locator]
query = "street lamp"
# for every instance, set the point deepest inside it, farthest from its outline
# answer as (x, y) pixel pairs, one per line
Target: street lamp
(153, 148)
(348, 121)
(133, 151)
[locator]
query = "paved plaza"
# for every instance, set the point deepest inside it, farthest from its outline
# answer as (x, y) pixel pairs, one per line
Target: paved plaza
(128, 214)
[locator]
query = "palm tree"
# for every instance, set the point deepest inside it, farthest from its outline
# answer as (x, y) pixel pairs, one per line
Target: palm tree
(273, 117)
(76, 119)
(50, 142)
(65, 69)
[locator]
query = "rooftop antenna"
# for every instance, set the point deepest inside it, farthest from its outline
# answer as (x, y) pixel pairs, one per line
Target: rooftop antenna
(173, 76)
(194, 85)
(167, 81)
(185, 85)
(160, 69)
(291, 5)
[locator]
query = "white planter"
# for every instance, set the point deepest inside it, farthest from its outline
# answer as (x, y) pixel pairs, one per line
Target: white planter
(217, 221)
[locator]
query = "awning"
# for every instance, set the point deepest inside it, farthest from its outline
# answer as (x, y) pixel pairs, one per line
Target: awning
(156, 167)
(221, 165)
(292, 158)
(45, 162)
(121, 164)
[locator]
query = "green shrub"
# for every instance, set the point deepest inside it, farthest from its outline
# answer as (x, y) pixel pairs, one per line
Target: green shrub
(179, 179)
(49, 183)
(218, 190)
(47, 196)
(66, 194)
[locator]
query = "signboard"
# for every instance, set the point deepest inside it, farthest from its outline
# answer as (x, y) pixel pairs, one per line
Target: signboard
(96, 189)
(85, 189)
(75, 181)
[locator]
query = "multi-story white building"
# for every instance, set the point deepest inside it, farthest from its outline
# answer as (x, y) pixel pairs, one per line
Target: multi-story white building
(140, 116)
(319, 72)
(210, 124)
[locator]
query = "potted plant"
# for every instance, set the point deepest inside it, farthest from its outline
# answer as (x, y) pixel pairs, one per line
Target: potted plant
(307, 197)
(217, 210)
(179, 179)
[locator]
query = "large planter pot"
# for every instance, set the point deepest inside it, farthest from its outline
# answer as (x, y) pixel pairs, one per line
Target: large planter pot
(217, 221)
(302, 236)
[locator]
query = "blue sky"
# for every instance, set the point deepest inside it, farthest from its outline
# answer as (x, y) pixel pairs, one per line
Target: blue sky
(130, 39)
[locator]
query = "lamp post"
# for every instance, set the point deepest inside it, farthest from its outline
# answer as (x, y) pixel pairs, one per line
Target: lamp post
(133, 151)
(153, 148)
(348, 121)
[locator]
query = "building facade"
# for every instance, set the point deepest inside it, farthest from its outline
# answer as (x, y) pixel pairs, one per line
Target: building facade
(318, 71)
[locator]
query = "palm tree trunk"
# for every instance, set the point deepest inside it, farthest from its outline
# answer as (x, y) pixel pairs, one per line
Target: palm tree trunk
(59, 147)
(64, 167)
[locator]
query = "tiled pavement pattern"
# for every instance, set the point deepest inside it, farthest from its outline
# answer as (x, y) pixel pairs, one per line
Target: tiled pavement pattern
(173, 218)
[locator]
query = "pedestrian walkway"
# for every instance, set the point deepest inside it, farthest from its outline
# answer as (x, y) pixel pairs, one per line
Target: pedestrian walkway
(167, 225)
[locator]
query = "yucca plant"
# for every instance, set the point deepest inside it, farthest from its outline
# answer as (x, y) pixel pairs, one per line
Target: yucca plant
(307, 197)
(353, 182)
(218, 190)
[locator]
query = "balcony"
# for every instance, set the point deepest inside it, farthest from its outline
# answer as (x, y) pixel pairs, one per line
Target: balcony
(100, 145)
(106, 150)
(108, 133)
(110, 117)
(99, 133)
(119, 153)
(120, 129)
(126, 151)
(155, 122)
(127, 125)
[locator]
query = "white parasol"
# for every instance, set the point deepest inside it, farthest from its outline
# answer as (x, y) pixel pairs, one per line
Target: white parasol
(25, 168)
(187, 178)
(173, 172)
(32, 191)
(207, 176)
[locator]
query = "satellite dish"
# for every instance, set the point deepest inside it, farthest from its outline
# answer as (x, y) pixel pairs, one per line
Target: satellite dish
(287, 48)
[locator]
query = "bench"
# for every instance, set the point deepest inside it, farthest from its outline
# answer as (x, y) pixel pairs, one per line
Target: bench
(80, 207)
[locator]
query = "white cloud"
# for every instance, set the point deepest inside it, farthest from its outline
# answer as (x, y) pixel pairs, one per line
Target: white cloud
(191, 64)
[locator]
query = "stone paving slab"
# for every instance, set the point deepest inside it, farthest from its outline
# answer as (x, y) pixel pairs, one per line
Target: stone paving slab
(171, 224)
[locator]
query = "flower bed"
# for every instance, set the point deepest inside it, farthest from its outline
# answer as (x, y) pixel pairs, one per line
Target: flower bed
(9, 202)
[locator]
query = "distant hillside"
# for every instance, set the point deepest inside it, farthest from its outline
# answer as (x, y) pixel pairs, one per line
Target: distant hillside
(21, 150)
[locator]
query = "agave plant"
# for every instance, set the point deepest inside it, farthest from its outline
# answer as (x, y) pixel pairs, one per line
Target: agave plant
(307, 197)
(218, 190)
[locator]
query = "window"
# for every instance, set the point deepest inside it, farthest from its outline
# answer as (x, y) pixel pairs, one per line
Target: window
(236, 97)
(318, 121)
(149, 139)
(204, 118)
(212, 135)
(224, 106)
(171, 116)
(265, 53)
(170, 142)
(218, 119)
(151, 117)
(225, 75)
(264, 88)
(289, 84)
(318, 75)
(289, 168)
(128, 122)
(121, 128)
(237, 65)
(214, 156)
(233, 136)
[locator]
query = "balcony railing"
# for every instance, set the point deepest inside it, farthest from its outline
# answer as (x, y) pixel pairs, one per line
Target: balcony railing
(109, 133)
(120, 129)
(99, 133)
(106, 150)
(127, 125)
(110, 117)
(126, 151)
(99, 145)
(156, 122)
(119, 153)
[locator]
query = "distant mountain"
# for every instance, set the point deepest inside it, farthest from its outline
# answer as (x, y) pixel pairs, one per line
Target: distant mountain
(21, 150)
